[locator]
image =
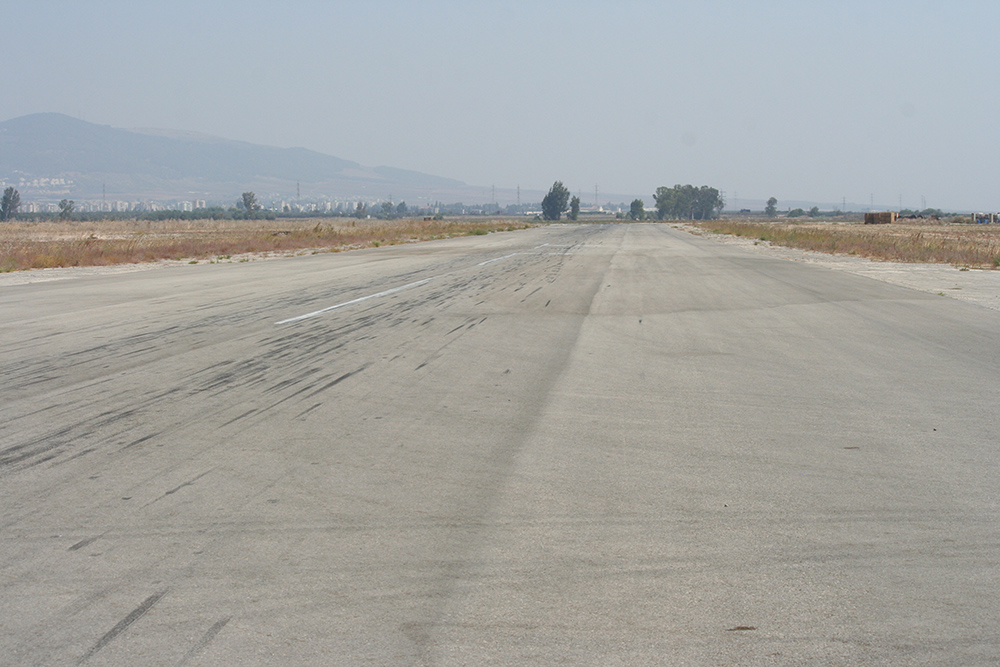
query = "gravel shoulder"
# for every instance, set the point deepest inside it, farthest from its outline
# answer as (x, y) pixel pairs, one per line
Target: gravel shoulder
(978, 286)
(67, 273)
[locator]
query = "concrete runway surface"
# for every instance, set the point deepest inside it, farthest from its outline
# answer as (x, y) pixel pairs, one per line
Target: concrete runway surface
(576, 444)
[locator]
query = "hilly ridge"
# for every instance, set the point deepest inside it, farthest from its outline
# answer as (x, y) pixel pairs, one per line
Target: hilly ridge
(158, 164)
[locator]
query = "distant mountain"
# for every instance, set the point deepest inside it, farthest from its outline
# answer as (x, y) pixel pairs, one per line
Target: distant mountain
(52, 155)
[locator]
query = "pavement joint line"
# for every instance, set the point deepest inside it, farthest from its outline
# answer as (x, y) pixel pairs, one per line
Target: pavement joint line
(316, 313)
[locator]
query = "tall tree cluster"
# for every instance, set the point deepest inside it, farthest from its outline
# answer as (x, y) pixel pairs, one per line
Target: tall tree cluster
(9, 204)
(66, 207)
(574, 208)
(555, 202)
(686, 202)
(248, 202)
(772, 207)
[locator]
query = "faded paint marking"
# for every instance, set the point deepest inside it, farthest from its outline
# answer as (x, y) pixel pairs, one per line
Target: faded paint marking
(353, 301)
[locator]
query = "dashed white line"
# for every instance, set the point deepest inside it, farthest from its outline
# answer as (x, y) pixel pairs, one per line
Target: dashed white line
(353, 301)
(387, 292)
(497, 259)
(513, 254)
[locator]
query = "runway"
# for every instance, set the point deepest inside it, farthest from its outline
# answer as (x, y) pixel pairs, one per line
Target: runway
(574, 444)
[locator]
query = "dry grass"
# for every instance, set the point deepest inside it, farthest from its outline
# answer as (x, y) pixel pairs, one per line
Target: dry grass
(975, 246)
(57, 244)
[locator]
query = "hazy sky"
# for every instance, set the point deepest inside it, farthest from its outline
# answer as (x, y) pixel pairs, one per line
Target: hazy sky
(798, 100)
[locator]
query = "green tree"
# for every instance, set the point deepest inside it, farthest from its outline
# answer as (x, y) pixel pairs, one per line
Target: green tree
(9, 204)
(666, 204)
(401, 209)
(555, 202)
(361, 211)
(772, 207)
(66, 208)
(688, 202)
(709, 203)
(574, 208)
(796, 213)
(637, 210)
(814, 212)
(248, 202)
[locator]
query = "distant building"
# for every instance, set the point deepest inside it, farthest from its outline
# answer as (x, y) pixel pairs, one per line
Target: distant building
(880, 217)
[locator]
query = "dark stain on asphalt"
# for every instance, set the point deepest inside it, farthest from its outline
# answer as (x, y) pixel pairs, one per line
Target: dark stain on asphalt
(337, 381)
(141, 440)
(122, 626)
(242, 416)
(76, 456)
(187, 483)
(82, 543)
(307, 411)
(205, 640)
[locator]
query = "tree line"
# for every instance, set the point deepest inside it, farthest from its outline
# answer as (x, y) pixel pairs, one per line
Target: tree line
(11, 202)
(686, 202)
(681, 202)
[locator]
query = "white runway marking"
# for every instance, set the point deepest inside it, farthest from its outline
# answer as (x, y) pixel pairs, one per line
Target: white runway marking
(513, 254)
(387, 292)
(497, 259)
(353, 301)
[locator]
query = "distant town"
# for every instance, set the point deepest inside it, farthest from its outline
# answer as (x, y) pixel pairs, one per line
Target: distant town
(47, 202)
(50, 195)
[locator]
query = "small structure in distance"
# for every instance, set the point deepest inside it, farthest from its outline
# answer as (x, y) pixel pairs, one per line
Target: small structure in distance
(880, 217)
